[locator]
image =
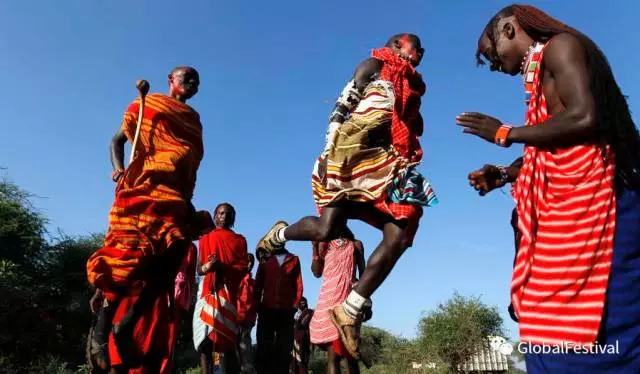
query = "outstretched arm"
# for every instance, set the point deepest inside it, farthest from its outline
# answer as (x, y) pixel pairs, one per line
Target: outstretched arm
(565, 63)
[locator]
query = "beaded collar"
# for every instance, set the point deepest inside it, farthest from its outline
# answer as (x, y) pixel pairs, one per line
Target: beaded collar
(530, 65)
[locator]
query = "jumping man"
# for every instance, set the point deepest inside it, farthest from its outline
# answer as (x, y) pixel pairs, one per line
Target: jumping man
(368, 171)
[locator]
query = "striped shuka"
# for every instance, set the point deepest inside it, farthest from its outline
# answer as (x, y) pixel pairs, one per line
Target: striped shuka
(352, 168)
(567, 216)
(151, 213)
(215, 317)
(151, 210)
(373, 155)
(337, 282)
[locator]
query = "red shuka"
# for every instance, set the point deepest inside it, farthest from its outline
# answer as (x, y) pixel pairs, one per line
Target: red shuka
(222, 286)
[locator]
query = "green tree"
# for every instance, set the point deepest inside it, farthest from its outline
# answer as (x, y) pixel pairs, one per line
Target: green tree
(455, 329)
(22, 227)
(44, 284)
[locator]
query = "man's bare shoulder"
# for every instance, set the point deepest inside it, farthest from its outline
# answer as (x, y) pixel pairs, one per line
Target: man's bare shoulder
(366, 69)
(563, 48)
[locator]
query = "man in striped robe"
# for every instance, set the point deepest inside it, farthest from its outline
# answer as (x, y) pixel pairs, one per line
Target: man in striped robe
(151, 226)
(368, 171)
(577, 270)
(223, 263)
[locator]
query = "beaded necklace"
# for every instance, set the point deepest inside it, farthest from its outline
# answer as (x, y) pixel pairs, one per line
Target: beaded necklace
(529, 65)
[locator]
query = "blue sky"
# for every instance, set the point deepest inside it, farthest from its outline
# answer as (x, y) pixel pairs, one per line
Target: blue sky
(270, 73)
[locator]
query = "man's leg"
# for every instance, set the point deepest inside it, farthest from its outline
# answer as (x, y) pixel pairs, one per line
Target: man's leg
(265, 339)
(243, 348)
(382, 260)
(333, 361)
(283, 344)
(284, 340)
(230, 363)
(307, 229)
(352, 366)
(348, 316)
(206, 350)
(306, 354)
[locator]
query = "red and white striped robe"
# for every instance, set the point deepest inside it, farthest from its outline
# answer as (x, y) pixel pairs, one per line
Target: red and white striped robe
(567, 214)
(215, 317)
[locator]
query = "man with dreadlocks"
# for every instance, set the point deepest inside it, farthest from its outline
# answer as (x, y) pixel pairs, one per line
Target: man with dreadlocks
(368, 171)
(575, 280)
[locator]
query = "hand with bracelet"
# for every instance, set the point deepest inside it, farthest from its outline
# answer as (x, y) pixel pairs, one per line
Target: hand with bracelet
(485, 127)
(490, 177)
(209, 266)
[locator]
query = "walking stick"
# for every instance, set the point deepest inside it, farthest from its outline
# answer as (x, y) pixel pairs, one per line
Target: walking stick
(143, 88)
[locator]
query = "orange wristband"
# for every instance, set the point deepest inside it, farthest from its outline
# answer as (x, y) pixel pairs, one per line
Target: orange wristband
(502, 134)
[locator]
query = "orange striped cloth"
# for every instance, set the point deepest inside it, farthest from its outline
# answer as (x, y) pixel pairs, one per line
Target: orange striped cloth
(567, 215)
(151, 213)
(152, 207)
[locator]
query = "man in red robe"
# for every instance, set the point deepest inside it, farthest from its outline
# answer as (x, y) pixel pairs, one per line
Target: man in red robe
(223, 259)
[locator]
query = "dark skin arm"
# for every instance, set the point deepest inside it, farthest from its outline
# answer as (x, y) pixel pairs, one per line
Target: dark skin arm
(359, 257)
(259, 285)
(299, 286)
(117, 150)
(304, 322)
(570, 102)
(362, 77)
(317, 264)
(96, 300)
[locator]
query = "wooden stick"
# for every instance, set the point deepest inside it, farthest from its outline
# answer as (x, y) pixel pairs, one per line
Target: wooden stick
(143, 88)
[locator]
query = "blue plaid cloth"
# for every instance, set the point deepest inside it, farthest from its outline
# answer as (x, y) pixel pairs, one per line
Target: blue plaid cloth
(410, 187)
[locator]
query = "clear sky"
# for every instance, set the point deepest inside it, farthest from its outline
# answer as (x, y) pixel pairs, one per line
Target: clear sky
(270, 73)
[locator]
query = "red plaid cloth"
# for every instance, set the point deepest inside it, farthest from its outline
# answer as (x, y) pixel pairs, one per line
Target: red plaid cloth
(408, 88)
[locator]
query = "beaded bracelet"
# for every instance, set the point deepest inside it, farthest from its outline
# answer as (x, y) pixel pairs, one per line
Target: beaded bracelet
(504, 175)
